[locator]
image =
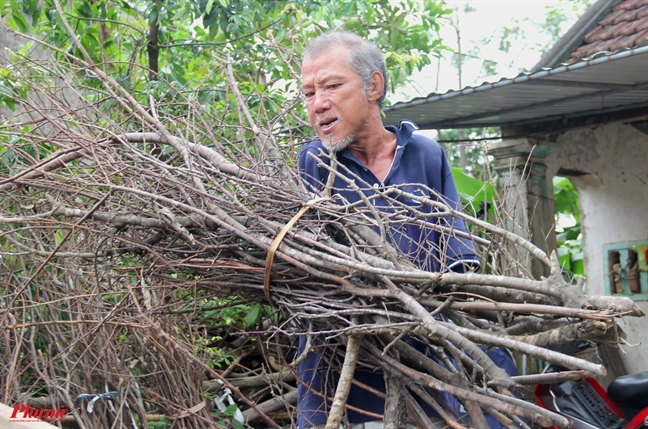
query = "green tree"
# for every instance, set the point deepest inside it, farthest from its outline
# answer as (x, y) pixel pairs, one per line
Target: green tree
(174, 54)
(532, 33)
(473, 141)
(181, 42)
(568, 228)
(559, 17)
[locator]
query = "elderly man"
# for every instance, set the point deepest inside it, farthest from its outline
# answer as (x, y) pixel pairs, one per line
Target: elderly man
(344, 85)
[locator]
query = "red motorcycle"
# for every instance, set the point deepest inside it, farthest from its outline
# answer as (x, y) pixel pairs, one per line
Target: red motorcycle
(589, 406)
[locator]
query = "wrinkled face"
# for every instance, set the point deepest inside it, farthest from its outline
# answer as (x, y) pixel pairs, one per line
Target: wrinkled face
(337, 106)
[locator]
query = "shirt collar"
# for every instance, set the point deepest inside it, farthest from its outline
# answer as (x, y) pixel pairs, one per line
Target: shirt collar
(403, 133)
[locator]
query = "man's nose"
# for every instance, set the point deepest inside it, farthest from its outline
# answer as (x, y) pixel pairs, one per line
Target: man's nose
(320, 102)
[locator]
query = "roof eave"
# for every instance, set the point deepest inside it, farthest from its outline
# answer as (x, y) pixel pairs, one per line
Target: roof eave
(494, 116)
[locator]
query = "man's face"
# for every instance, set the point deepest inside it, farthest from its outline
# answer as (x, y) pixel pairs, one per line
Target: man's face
(337, 107)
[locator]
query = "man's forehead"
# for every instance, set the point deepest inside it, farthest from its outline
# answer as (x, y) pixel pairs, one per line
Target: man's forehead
(321, 78)
(329, 69)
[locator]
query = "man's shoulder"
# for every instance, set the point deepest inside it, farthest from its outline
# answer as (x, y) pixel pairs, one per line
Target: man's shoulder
(424, 146)
(313, 147)
(408, 132)
(423, 141)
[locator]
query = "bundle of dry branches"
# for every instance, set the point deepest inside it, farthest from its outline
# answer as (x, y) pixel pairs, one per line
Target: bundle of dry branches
(125, 226)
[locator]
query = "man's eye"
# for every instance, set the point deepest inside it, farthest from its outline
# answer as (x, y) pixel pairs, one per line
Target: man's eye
(307, 95)
(333, 86)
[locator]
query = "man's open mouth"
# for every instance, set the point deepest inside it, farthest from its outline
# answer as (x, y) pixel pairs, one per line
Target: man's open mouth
(325, 124)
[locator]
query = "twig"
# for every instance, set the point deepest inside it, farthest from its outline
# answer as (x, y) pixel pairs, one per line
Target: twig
(344, 383)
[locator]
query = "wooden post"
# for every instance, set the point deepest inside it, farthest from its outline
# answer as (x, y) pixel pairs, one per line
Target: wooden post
(526, 197)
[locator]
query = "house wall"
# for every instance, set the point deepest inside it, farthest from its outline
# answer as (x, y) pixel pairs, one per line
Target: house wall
(36, 54)
(11, 42)
(613, 197)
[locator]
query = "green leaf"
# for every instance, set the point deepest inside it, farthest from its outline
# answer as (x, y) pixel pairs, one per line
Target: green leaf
(9, 157)
(59, 236)
(564, 257)
(19, 22)
(209, 6)
(85, 10)
(5, 91)
(565, 197)
(472, 190)
(578, 264)
(253, 316)
(33, 9)
(153, 16)
(231, 409)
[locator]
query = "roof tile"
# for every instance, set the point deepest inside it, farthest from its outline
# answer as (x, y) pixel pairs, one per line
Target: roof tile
(630, 4)
(593, 35)
(611, 17)
(622, 28)
(607, 32)
(627, 16)
(641, 25)
(639, 3)
(643, 12)
(621, 6)
(642, 39)
(591, 49)
(621, 43)
(578, 53)
(609, 45)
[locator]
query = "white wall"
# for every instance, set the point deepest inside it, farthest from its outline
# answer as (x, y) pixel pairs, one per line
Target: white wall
(613, 201)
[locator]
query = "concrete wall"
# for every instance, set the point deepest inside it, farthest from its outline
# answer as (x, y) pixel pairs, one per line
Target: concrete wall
(12, 42)
(9, 41)
(614, 207)
(36, 54)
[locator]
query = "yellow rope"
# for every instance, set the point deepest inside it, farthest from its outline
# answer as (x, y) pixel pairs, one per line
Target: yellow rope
(275, 245)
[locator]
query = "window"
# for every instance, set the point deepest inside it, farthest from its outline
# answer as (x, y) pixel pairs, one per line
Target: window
(627, 269)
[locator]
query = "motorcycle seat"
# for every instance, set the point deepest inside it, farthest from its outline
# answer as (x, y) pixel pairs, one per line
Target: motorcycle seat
(630, 390)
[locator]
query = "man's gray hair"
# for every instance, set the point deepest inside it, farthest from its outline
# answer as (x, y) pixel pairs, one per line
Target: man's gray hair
(364, 58)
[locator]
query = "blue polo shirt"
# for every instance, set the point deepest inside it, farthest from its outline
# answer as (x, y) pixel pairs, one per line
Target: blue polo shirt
(420, 168)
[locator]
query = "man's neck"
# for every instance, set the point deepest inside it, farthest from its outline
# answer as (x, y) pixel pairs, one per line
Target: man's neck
(376, 150)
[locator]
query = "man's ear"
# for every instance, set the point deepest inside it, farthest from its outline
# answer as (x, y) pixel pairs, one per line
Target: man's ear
(376, 86)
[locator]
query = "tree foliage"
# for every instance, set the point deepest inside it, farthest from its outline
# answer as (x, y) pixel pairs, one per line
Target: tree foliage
(568, 239)
(183, 43)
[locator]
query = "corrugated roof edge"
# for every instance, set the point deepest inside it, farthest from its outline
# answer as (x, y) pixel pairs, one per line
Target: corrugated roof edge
(523, 77)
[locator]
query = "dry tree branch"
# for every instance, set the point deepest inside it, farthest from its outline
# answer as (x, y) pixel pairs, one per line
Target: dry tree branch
(344, 384)
(141, 273)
